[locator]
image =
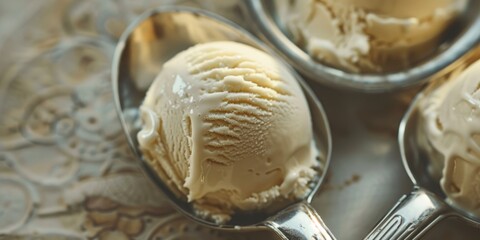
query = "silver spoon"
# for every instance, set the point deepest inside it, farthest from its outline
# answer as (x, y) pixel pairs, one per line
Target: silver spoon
(464, 36)
(417, 212)
(158, 35)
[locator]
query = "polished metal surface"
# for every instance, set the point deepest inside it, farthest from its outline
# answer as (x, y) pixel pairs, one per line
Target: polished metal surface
(158, 35)
(418, 211)
(414, 213)
(262, 13)
(292, 222)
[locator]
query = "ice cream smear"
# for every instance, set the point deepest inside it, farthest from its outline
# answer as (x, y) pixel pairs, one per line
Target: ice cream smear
(228, 129)
(369, 35)
(450, 124)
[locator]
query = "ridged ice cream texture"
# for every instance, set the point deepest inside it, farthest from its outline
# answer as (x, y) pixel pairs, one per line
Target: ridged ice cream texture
(228, 127)
(450, 120)
(369, 35)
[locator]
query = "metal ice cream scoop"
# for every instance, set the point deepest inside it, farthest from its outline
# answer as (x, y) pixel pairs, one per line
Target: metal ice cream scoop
(160, 34)
(417, 212)
(264, 19)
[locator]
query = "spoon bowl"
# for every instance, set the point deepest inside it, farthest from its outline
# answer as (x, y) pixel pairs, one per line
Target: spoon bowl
(418, 211)
(158, 35)
(461, 38)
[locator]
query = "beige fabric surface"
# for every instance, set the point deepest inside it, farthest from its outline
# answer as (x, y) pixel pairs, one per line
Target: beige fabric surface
(65, 168)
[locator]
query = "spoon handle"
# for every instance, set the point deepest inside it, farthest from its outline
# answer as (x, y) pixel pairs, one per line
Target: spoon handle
(299, 221)
(411, 217)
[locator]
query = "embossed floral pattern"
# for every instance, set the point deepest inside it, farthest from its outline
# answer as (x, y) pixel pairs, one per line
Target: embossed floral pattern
(65, 168)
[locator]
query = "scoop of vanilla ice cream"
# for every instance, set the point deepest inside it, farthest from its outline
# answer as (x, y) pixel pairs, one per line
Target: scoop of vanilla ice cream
(451, 126)
(369, 35)
(228, 128)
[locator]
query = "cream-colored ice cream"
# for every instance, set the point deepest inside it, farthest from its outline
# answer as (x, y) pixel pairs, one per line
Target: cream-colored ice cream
(228, 128)
(369, 35)
(450, 122)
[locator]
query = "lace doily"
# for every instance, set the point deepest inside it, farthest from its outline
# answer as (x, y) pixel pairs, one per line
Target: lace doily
(65, 167)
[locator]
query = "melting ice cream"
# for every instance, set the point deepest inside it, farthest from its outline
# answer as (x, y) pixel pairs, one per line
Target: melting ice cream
(229, 130)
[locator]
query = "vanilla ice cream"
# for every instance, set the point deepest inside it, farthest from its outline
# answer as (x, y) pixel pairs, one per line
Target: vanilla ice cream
(228, 128)
(369, 35)
(450, 124)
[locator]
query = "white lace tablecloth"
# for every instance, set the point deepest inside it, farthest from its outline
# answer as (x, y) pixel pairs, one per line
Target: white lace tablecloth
(65, 168)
